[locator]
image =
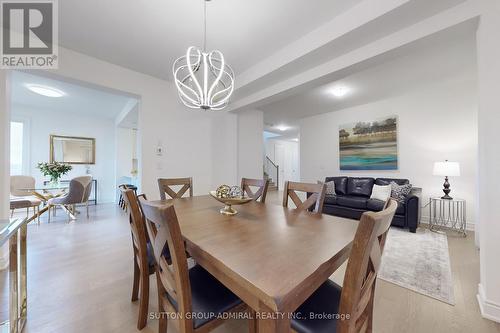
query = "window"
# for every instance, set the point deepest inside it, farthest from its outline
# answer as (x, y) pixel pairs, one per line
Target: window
(18, 148)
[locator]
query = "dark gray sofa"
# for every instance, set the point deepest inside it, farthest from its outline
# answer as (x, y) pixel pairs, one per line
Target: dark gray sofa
(352, 199)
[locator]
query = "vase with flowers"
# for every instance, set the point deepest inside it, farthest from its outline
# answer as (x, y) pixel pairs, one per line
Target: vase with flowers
(54, 171)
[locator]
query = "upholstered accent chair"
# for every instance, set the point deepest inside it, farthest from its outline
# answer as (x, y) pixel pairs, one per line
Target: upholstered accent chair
(21, 197)
(78, 193)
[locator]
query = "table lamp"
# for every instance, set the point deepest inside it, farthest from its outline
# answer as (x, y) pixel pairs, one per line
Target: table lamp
(446, 169)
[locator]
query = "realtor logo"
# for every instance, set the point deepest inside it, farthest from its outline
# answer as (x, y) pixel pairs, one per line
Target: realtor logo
(29, 34)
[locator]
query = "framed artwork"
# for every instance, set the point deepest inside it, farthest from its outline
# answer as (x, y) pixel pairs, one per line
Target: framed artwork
(370, 145)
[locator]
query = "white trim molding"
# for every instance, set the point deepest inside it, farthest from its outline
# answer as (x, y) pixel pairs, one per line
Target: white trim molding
(489, 310)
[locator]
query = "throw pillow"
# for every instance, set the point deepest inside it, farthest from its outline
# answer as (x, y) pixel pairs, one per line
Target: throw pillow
(399, 192)
(330, 188)
(381, 192)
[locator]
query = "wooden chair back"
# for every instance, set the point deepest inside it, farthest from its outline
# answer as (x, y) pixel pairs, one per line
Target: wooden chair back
(164, 231)
(137, 226)
(261, 184)
(316, 198)
(364, 262)
(165, 186)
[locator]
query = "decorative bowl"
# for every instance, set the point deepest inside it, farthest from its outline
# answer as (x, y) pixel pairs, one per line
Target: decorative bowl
(228, 202)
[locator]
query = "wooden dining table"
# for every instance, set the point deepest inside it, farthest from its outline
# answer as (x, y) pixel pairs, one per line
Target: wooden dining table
(270, 256)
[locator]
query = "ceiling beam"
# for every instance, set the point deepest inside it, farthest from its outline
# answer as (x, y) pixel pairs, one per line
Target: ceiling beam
(342, 24)
(326, 72)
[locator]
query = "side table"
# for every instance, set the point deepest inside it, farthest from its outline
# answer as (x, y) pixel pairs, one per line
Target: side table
(448, 213)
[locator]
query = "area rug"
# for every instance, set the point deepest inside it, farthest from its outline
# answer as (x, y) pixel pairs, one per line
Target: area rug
(419, 262)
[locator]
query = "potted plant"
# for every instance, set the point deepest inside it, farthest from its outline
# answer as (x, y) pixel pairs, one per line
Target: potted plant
(54, 170)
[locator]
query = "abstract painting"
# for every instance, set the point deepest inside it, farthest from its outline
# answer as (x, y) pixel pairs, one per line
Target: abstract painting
(371, 145)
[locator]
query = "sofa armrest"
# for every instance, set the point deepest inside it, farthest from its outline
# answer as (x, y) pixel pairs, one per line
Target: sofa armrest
(412, 203)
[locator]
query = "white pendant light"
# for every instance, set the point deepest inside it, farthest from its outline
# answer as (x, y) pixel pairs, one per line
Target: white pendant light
(203, 79)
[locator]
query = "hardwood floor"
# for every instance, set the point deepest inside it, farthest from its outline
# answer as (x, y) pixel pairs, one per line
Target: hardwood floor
(80, 280)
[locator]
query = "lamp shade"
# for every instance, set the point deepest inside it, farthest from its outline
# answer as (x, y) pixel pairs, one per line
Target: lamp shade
(451, 169)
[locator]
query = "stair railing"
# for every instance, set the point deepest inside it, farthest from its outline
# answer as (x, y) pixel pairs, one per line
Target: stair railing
(272, 170)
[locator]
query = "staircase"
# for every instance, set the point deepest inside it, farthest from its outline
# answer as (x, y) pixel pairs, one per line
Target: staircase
(271, 172)
(272, 185)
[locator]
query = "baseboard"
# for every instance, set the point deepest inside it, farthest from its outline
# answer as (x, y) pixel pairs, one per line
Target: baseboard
(425, 220)
(489, 310)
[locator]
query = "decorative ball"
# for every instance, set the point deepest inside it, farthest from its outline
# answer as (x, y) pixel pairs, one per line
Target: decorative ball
(223, 191)
(235, 192)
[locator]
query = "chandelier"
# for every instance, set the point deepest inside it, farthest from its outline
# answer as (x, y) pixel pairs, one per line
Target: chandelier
(203, 79)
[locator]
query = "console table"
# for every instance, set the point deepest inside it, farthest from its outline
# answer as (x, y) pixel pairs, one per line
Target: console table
(448, 213)
(15, 232)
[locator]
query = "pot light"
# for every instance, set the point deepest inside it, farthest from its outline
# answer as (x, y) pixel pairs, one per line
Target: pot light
(295, 139)
(340, 91)
(45, 90)
(282, 128)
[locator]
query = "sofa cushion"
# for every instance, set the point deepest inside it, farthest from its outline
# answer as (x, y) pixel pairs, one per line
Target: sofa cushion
(340, 184)
(330, 188)
(387, 181)
(399, 192)
(330, 199)
(401, 210)
(360, 186)
(381, 192)
(352, 201)
(377, 205)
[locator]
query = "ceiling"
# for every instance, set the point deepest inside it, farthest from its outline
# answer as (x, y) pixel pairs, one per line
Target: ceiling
(78, 99)
(447, 54)
(147, 36)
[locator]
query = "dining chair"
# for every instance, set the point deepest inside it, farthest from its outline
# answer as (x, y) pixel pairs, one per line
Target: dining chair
(144, 264)
(355, 298)
(121, 202)
(21, 196)
(260, 184)
(165, 186)
(78, 193)
(316, 196)
(182, 291)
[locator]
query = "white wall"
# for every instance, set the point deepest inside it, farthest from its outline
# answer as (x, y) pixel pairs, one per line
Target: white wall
(489, 159)
(4, 157)
(289, 163)
(43, 123)
(250, 144)
(125, 153)
(224, 149)
(435, 123)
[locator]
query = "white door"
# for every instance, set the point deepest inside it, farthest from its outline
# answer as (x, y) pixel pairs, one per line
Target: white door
(279, 154)
(295, 163)
(288, 165)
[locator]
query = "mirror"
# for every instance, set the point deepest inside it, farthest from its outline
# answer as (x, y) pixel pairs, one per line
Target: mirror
(72, 150)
